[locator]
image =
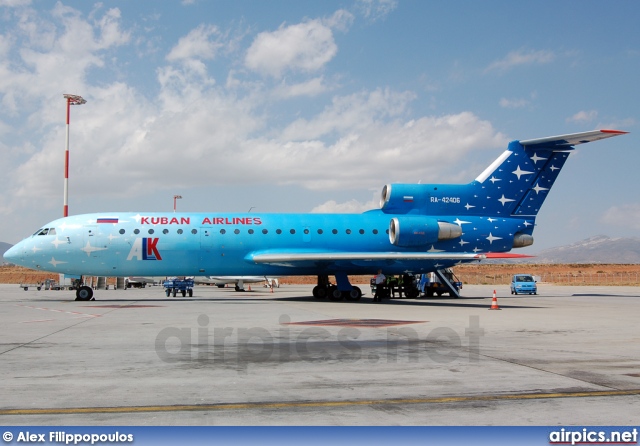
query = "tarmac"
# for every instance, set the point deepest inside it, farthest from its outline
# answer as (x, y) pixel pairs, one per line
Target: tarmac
(567, 356)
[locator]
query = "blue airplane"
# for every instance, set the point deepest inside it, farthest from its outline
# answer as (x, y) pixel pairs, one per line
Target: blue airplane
(419, 228)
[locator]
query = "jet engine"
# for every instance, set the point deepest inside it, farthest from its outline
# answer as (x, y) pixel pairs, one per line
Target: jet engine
(521, 240)
(421, 231)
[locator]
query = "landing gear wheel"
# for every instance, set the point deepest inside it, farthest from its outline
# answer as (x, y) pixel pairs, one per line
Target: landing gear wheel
(174, 292)
(184, 293)
(239, 289)
(355, 293)
(319, 292)
(84, 293)
(168, 292)
(335, 293)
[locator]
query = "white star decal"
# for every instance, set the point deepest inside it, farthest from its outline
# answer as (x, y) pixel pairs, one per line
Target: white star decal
(491, 238)
(34, 249)
(538, 188)
(552, 168)
(55, 262)
(433, 249)
(476, 249)
(57, 242)
(535, 158)
(89, 249)
(460, 222)
(504, 200)
(111, 237)
(494, 179)
(527, 224)
(520, 172)
(492, 219)
(137, 218)
(462, 242)
(468, 206)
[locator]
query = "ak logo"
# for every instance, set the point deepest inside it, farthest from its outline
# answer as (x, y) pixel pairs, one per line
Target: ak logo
(145, 248)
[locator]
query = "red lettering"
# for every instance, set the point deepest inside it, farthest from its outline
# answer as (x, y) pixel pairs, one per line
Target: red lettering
(218, 221)
(174, 221)
(155, 220)
(144, 220)
(165, 220)
(206, 221)
(257, 221)
(152, 250)
(185, 220)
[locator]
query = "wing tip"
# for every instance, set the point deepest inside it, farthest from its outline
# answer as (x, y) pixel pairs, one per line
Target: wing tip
(506, 255)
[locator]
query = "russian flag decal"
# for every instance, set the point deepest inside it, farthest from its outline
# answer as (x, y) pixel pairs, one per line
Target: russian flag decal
(108, 220)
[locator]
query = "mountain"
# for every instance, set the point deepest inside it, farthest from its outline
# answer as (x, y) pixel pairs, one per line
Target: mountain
(597, 249)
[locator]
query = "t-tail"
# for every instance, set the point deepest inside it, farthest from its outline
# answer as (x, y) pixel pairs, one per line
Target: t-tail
(514, 186)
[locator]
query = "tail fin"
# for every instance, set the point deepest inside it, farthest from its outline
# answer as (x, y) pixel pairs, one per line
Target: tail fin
(518, 182)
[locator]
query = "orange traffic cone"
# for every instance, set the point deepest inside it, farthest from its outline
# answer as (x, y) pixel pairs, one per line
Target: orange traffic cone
(494, 302)
(249, 287)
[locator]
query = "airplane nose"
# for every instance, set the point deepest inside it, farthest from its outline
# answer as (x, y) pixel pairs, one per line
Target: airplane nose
(12, 255)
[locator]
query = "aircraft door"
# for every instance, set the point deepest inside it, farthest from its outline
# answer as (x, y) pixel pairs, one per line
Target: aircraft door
(94, 240)
(206, 248)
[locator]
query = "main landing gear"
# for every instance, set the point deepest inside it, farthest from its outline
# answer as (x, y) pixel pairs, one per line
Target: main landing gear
(84, 293)
(343, 291)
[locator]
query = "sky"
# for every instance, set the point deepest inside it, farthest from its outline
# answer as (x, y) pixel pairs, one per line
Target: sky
(309, 106)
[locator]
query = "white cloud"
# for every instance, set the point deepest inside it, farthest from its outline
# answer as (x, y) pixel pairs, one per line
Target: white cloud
(310, 88)
(584, 116)
(513, 103)
(304, 47)
(348, 207)
(200, 43)
(626, 215)
(521, 57)
(374, 10)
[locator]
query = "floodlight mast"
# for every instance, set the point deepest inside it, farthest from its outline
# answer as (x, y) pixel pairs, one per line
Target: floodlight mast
(72, 99)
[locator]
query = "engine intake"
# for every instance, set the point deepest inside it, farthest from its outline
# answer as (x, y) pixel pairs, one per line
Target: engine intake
(421, 231)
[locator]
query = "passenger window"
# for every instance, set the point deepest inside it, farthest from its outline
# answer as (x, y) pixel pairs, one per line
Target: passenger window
(375, 231)
(151, 231)
(165, 231)
(334, 231)
(306, 231)
(264, 231)
(121, 231)
(320, 231)
(361, 231)
(194, 231)
(348, 231)
(250, 231)
(236, 231)
(136, 231)
(278, 231)
(293, 231)
(223, 231)
(180, 231)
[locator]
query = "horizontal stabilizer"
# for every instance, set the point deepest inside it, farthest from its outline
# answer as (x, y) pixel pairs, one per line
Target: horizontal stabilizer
(572, 139)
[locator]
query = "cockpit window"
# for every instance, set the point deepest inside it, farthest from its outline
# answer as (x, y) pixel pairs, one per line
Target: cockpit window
(52, 231)
(43, 231)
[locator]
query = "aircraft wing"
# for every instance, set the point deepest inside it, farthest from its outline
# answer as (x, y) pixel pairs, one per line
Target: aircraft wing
(298, 258)
(572, 139)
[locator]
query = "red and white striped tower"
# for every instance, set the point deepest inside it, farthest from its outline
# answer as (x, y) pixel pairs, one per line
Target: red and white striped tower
(72, 99)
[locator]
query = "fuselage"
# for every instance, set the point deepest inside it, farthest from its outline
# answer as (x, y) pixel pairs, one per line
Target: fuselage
(195, 244)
